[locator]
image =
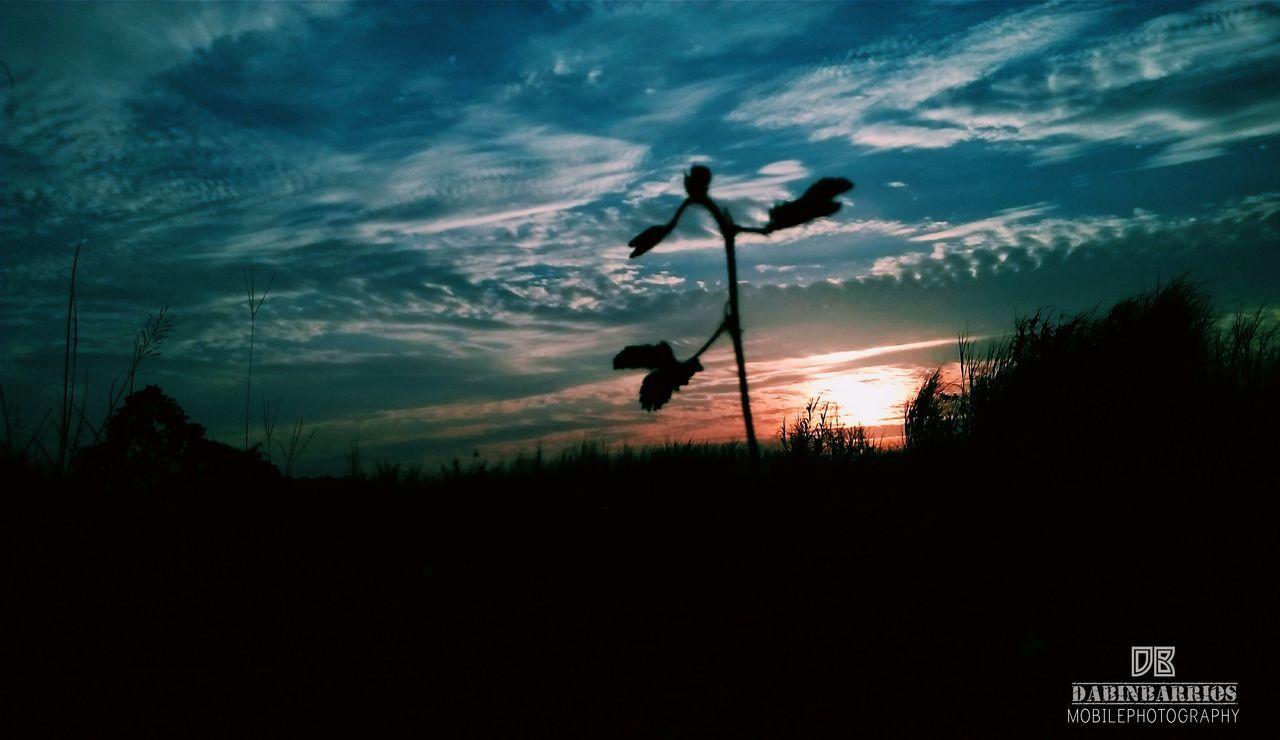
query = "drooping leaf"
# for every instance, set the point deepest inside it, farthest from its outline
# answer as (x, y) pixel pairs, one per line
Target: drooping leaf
(657, 387)
(648, 239)
(645, 357)
(799, 212)
(667, 375)
(828, 188)
(697, 182)
(817, 202)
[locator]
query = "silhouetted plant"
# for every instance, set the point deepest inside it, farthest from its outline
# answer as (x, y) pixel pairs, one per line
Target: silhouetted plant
(413, 475)
(297, 444)
(931, 418)
(150, 441)
(1248, 353)
(269, 418)
(72, 420)
(1132, 383)
(70, 353)
(146, 343)
(818, 434)
(354, 461)
(667, 376)
(292, 447)
(667, 373)
(9, 421)
(386, 472)
(255, 302)
(14, 433)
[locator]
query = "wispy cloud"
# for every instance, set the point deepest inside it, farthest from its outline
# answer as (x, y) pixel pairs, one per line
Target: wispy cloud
(999, 224)
(1034, 76)
(845, 99)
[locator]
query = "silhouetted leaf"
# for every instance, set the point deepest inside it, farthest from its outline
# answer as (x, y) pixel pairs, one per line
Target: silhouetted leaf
(645, 357)
(827, 188)
(697, 182)
(648, 239)
(667, 376)
(817, 202)
(657, 387)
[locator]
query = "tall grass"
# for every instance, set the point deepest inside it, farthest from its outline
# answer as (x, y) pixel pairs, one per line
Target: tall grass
(291, 447)
(70, 353)
(255, 301)
(1155, 377)
(146, 343)
(818, 433)
(72, 419)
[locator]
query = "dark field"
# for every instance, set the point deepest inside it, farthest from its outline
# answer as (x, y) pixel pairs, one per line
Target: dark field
(1094, 484)
(959, 611)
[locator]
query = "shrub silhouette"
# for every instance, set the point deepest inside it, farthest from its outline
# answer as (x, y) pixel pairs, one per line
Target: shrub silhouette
(1140, 381)
(667, 374)
(149, 441)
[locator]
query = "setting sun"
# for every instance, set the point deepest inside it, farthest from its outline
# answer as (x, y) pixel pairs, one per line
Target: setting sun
(871, 396)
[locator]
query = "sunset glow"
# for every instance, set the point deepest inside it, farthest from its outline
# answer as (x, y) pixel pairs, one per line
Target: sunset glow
(872, 396)
(445, 193)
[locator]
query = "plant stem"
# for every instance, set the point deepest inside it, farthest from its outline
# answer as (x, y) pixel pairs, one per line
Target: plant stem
(724, 324)
(735, 333)
(248, 383)
(255, 305)
(8, 426)
(733, 321)
(70, 350)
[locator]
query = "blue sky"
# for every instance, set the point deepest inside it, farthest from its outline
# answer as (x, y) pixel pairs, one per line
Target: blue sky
(445, 192)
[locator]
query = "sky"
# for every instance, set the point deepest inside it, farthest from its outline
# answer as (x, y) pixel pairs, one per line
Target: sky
(444, 193)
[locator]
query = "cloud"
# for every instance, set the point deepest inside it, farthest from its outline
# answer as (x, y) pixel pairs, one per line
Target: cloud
(893, 136)
(841, 100)
(999, 223)
(1191, 84)
(471, 176)
(1015, 241)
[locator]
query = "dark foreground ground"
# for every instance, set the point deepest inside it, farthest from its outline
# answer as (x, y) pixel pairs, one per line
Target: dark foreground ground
(502, 611)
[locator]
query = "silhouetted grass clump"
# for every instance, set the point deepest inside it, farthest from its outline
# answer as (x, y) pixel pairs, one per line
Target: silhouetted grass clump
(1157, 379)
(818, 434)
(149, 443)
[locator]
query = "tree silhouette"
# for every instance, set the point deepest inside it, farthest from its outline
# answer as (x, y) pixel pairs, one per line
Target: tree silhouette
(667, 374)
(149, 443)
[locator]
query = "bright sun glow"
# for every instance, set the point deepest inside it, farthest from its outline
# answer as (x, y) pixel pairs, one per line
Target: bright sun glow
(871, 396)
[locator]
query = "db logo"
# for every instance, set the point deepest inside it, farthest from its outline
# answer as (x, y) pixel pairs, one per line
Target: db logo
(1144, 659)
